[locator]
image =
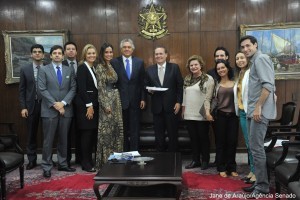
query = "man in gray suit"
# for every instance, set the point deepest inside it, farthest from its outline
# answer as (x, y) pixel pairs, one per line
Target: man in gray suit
(57, 87)
(30, 101)
(261, 108)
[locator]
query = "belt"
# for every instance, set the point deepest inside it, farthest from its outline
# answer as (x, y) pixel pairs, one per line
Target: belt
(226, 114)
(110, 86)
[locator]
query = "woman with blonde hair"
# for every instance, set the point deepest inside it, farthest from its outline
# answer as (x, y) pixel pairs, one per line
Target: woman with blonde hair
(86, 104)
(198, 89)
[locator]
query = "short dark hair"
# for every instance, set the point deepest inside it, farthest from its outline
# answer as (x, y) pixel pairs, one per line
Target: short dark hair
(227, 65)
(55, 47)
(67, 43)
(37, 46)
(223, 49)
(166, 51)
(252, 39)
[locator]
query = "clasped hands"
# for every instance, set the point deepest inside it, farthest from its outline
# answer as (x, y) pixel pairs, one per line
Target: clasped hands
(59, 106)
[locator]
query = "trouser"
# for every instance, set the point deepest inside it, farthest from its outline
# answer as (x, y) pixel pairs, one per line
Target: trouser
(257, 133)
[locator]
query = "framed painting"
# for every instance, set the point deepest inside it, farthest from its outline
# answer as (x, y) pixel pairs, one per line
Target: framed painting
(282, 43)
(18, 44)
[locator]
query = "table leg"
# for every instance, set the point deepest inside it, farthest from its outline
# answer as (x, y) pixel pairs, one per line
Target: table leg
(96, 190)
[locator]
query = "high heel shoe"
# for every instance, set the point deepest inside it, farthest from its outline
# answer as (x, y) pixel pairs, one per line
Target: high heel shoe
(223, 174)
(193, 164)
(234, 174)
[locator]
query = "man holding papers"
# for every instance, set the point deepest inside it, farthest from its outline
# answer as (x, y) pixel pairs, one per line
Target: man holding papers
(165, 105)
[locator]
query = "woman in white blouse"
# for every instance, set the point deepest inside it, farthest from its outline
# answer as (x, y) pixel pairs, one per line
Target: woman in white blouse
(198, 89)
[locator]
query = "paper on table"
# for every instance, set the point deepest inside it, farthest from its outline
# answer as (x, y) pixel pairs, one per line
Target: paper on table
(133, 153)
(156, 88)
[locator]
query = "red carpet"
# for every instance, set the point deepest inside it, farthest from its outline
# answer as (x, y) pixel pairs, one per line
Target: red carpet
(197, 184)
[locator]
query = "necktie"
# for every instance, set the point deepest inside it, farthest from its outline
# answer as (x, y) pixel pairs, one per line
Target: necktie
(127, 68)
(59, 76)
(161, 75)
(72, 65)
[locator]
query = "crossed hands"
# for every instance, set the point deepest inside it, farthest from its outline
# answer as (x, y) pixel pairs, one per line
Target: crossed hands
(59, 106)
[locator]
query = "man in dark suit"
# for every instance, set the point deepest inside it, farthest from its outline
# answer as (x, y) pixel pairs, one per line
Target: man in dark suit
(165, 104)
(30, 101)
(130, 71)
(57, 86)
(70, 55)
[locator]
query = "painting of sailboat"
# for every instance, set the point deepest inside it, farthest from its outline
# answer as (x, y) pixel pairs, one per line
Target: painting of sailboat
(282, 43)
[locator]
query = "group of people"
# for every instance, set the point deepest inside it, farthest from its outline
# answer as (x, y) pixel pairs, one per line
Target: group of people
(101, 99)
(244, 96)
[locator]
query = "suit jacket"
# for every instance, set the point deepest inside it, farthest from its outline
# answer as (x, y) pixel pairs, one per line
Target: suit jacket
(52, 92)
(27, 88)
(131, 90)
(87, 93)
(172, 80)
(65, 62)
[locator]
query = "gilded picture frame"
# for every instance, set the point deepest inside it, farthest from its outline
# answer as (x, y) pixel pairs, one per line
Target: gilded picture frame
(281, 42)
(18, 44)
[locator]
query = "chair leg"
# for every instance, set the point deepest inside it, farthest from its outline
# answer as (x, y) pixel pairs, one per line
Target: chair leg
(3, 185)
(21, 169)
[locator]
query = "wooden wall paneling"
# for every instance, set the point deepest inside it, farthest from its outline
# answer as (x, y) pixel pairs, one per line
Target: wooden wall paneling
(292, 94)
(194, 15)
(88, 17)
(177, 11)
(281, 96)
(218, 15)
(53, 15)
(292, 14)
(128, 11)
(211, 40)
(13, 15)
(194, 41)
(254, 12)
(279, 11)
(95, 39)
(144, 50)
(111, 16)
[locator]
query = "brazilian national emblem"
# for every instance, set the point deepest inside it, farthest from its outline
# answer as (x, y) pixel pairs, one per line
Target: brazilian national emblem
(152, 21)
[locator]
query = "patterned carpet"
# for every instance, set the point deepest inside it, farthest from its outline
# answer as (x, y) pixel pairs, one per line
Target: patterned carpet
(197, 184)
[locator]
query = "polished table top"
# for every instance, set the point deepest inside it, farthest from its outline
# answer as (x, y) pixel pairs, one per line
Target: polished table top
(165, 166)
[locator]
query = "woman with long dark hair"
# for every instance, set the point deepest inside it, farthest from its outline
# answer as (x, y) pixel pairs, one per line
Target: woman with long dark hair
(241, 98)
(226, 121)
(110, 129)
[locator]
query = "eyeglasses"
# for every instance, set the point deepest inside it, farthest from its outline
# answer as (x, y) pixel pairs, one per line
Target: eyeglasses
(37, 52)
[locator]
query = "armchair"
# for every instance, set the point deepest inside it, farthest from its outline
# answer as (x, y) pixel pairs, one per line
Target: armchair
(286, 153)
(11, 158)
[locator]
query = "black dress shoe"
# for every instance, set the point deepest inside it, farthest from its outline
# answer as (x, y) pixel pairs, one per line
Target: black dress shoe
(249, 181)
(31, 165)
(192, 165)
(204, 166)
(47, 174)
(245, 178)
(66, 169)
(89, 170)
(249, 189)
(256, 194)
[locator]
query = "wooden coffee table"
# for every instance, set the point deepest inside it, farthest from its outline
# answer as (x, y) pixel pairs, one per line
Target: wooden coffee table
(126, 179)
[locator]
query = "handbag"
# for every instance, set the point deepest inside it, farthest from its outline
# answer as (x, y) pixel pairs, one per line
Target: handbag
(214, 107)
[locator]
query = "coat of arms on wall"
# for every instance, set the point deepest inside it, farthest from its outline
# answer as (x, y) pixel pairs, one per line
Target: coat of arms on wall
(152, 21)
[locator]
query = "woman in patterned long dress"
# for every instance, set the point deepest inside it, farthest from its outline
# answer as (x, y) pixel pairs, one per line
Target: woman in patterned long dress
(110, 128)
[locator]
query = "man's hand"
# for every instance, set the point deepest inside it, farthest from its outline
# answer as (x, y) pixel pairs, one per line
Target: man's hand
(176, 108)
(58, 105)
(257, 113)
(61, 111)
(142, 104)
(90, 112)
(24, 113)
